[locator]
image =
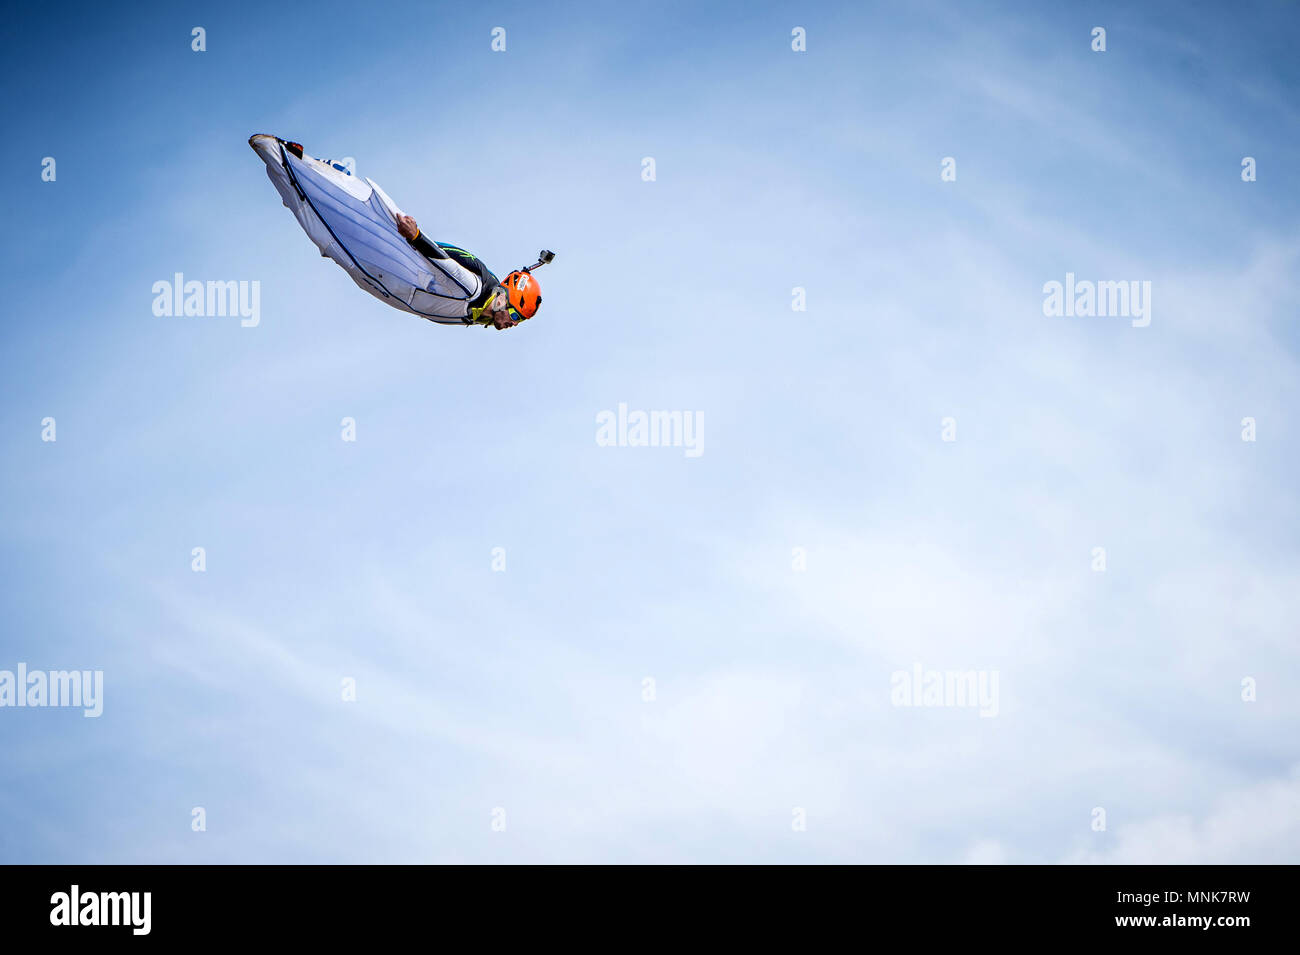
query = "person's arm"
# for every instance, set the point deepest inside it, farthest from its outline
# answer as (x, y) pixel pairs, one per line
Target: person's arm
(494, 311)
(410, 231)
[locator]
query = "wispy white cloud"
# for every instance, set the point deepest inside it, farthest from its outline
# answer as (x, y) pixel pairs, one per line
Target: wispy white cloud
(1253, 825)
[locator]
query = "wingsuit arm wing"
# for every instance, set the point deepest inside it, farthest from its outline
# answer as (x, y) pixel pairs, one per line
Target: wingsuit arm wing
(489, 281)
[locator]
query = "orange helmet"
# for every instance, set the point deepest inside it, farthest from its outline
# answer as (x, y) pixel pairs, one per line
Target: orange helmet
(524, 293)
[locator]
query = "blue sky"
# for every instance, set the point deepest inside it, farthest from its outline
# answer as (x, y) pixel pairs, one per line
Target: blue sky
(522, 689)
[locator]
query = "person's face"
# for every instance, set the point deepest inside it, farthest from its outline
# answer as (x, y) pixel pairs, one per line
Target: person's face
(499, 314)
(502, 318)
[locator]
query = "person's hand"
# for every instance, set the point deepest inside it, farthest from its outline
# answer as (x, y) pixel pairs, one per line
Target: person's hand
(407, 227)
